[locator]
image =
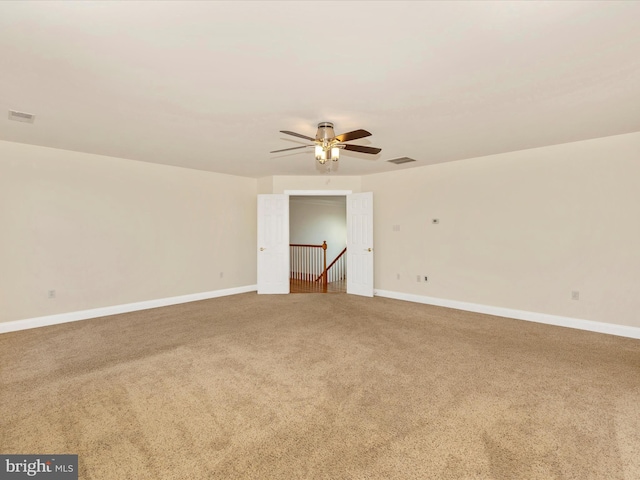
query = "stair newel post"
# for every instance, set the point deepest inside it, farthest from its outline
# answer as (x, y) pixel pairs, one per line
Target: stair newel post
(324, 254)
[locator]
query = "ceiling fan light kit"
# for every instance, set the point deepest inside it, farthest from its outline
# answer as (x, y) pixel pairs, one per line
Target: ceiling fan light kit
(327, 144)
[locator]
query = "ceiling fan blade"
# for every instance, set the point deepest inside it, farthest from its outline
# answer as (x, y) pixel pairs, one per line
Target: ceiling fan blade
(361, 149)
(298, 135)
(356, 134)
(292, 148)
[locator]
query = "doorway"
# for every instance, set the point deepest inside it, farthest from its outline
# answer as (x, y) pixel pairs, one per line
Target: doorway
(273, 241)
(316, 221)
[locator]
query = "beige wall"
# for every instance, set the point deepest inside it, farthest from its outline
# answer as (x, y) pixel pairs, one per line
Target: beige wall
(520, 230)
(104, 231)
(319, 182)
(265, 185)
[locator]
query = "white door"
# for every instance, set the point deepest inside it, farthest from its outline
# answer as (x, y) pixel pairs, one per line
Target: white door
(360, 244)
(273, 244)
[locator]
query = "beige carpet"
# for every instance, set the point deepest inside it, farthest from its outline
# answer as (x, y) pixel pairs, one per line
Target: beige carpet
(322, 387)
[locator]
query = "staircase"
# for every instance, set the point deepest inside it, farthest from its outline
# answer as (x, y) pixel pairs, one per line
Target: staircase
(309, 272)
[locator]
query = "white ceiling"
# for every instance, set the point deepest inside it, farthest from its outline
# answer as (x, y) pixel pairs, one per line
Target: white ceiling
(208, 85)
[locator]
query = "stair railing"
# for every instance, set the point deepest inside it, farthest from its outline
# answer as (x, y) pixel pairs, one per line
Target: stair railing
(307, 261)
(337, 269)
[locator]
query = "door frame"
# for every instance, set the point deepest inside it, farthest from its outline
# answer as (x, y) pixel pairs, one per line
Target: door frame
(324, 193)
(318, 193)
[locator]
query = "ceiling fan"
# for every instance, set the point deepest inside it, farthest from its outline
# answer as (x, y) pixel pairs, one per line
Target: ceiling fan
(328, 145)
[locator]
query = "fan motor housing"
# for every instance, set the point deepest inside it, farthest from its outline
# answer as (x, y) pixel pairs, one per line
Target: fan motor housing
(325, 132)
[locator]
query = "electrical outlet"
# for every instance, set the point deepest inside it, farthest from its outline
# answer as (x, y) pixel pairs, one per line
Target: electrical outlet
(221, 274)
(417, 278)
(425, 278)
(397, 276)
(575, 295)
(51, 294)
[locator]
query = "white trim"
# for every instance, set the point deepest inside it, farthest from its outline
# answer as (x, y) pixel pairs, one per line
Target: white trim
(325, 193)
(589, 325)
(27, 323)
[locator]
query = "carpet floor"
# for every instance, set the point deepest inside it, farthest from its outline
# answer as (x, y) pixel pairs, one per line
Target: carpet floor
(315, 386)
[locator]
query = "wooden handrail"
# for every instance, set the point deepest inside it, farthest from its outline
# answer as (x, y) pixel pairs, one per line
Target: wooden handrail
(326, 270)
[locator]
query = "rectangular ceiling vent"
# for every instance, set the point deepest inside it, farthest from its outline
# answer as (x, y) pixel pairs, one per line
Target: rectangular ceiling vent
(401, 160)
(21, 116)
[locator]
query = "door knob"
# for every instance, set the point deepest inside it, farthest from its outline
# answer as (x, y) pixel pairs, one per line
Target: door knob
(262, 249)
(369, 249)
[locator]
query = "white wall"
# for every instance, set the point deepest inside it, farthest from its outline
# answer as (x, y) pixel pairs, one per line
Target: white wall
(520, 230)
(313, 220)
(104, 231)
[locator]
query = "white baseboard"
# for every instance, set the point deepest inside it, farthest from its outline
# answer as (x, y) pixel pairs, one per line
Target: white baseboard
(16, 325)
(589, 325)
(600, 327)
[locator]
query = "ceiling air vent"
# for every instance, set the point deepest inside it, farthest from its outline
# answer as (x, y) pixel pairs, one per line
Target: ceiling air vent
(401, 160)
(21, 116)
